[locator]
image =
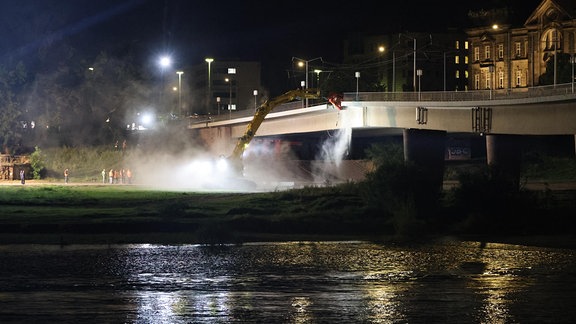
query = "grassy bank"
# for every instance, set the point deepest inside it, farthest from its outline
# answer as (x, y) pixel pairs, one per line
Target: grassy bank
(103, 214)
(124, 214)
(395, 202)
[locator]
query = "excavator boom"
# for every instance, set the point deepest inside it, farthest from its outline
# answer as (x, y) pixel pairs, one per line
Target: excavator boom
(261, 113)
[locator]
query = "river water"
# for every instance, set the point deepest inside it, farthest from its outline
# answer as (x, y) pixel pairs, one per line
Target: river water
(294, 282)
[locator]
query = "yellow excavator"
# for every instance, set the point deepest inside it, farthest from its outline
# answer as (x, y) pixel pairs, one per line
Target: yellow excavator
(232, 166)
(235, 159)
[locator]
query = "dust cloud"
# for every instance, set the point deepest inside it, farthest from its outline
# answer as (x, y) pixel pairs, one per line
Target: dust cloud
(178, 163)
(327, 165)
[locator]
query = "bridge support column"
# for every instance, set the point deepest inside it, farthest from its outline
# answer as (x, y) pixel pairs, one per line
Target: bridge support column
(503, 156)
(424, 154)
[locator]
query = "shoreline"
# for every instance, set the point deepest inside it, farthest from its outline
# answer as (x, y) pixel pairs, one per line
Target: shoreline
(187, 238)
(536, 185)
(51, 232)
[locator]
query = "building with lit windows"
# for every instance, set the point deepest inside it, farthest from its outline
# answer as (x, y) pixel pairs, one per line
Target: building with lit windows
(221, 86)
(409, 61)
(539, 53)
(490, 53)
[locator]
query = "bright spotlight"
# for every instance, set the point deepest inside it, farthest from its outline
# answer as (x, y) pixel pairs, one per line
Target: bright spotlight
(147, 120)
(165, 61)
(222, 164)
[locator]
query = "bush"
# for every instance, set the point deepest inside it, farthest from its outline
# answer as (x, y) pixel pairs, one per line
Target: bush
(84, 163)
(37, 161)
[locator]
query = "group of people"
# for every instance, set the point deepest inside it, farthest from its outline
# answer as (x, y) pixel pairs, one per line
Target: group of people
(115, 176)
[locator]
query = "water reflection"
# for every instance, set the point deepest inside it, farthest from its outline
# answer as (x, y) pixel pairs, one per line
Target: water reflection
(295, 282)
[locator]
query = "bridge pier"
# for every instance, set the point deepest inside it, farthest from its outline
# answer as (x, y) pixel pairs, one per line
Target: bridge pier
(424, 154)
(503, 156)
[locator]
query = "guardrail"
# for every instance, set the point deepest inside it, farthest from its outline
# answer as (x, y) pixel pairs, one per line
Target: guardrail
(448, 96)
(472, 95)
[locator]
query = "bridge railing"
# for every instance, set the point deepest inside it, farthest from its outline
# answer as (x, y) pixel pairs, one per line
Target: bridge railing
(471, 95)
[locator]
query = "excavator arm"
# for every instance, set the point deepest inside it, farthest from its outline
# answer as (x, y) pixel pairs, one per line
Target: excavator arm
(261, 112)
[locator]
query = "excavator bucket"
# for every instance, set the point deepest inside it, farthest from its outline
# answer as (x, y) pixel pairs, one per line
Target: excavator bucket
(336, 100)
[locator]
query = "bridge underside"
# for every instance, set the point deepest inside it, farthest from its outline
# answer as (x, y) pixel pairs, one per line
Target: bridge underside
(429, 131)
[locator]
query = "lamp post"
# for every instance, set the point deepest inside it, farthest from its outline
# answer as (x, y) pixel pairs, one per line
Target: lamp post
(419, 73)
(393, 71)
(303, 85)
(555, 54)
(381, 70)
(491, 71)
(209, 60)
(572, 59)
(231, 71)
(302, 62)
(414, 69)
(229, 97)
(218, 104)
(357, 75)
(444, 54)
(255, 99)
(318, 71)
(164, 62)
(180, 91)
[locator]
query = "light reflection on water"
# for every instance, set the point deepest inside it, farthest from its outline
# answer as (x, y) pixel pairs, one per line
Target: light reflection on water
(295, 282)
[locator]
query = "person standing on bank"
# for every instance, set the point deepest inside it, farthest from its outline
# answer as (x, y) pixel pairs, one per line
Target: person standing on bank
(22, 176)
(103, 175)
(66, 174)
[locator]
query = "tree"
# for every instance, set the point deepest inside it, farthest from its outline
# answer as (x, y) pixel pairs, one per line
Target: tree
(11, 123)
(37, 163)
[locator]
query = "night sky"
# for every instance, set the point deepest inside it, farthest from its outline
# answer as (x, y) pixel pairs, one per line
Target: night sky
(267, 31)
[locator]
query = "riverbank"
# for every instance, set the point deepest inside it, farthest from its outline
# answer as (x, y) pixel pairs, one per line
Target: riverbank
(41, 212)
(180, 238)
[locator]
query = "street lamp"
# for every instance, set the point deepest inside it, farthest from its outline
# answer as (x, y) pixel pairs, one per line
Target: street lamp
(218, 104)
(209, 60)
(490, 75)
(419, 73)
(302, 62)
(255, 97)
(317, 71)
(229, 81)
(381, 71)
(572, 59)
(231, 71)
(165, 62)
(180, 91)
(303, 86)
(414, 68)
(357, 75)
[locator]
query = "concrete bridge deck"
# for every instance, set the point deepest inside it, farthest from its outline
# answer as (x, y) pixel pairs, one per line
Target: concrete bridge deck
(549, 110)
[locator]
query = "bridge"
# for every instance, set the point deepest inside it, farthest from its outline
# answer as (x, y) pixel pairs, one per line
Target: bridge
(503, 116)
